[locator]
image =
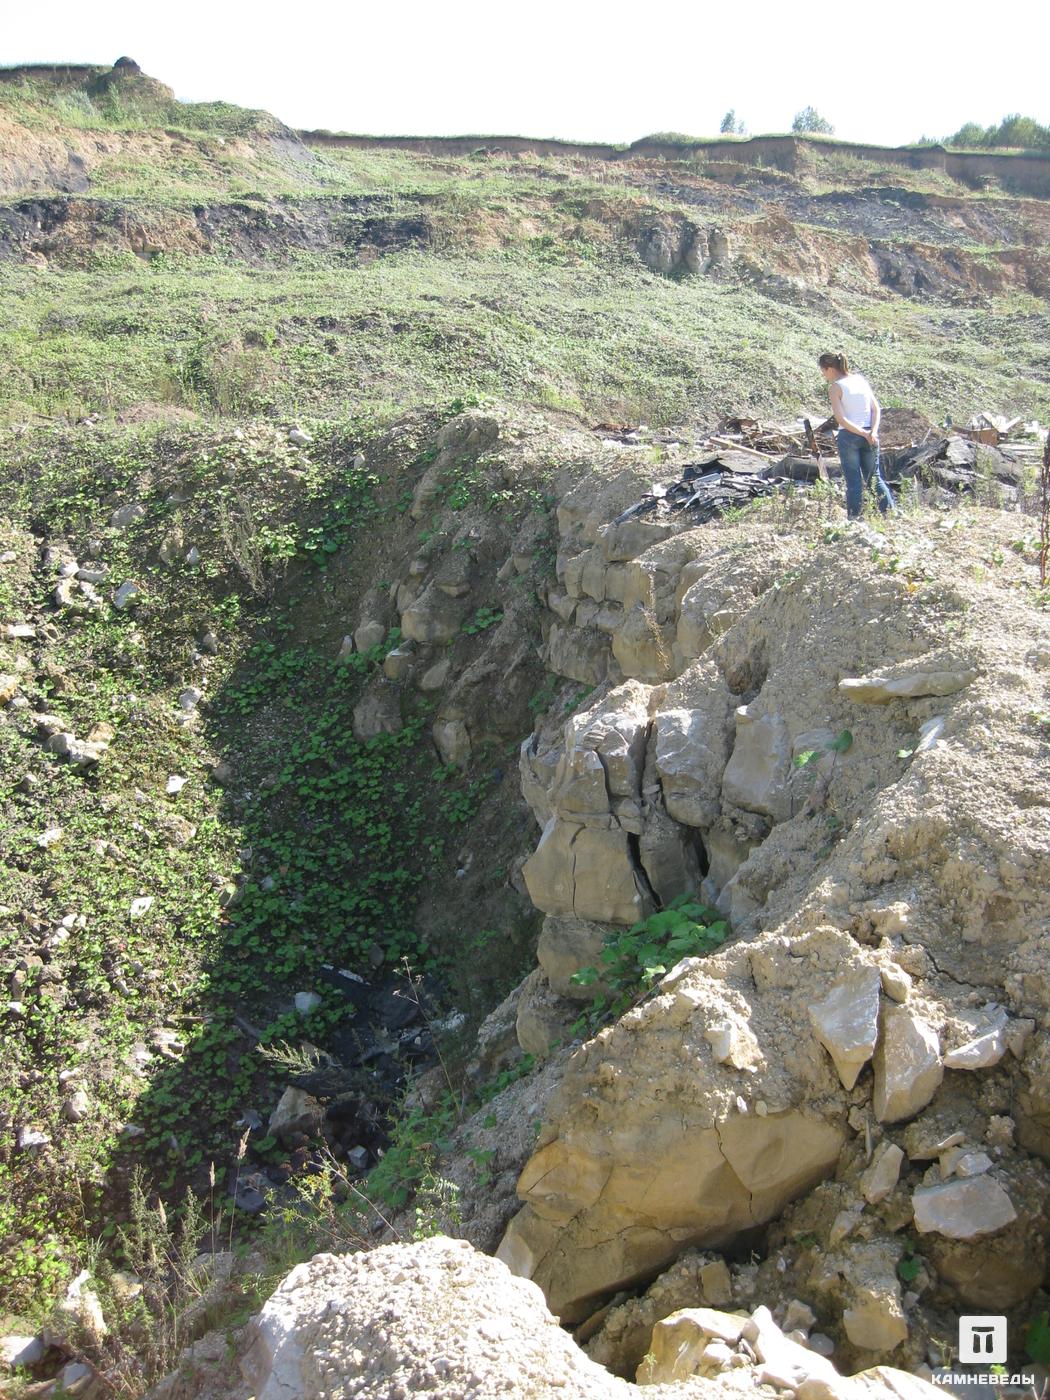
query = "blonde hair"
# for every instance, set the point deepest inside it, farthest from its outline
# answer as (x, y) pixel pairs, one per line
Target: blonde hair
(839, 362)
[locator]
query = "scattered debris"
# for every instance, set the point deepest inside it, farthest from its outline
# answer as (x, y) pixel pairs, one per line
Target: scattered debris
(745, 459)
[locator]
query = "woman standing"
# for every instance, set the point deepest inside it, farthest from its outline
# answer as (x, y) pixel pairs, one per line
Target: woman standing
(857, 413)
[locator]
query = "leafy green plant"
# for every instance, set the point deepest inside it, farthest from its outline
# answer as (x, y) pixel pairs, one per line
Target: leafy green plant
(483, 619)
(632, 961)
(842, 743)
(908, 1265)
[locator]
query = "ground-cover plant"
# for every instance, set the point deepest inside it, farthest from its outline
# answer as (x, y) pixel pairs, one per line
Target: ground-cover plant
(632, 961)
(199, 913)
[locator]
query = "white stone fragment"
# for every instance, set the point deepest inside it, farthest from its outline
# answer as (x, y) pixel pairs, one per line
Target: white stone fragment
(963, 1209)
(882, 1175)
(908, 1068)
(973, 1164)
(846, 1022)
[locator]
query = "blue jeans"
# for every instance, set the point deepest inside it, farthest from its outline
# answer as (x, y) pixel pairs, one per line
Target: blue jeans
(860, 467)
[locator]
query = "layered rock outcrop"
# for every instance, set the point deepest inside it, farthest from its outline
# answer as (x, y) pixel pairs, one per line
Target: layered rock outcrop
(799, 723)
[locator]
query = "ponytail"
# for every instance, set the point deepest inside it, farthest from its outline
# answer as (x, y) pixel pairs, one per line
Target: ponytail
(837, 362)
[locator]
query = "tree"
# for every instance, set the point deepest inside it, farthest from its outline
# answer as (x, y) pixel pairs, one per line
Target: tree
(1019, 132)
(730, 126)
(809, 119)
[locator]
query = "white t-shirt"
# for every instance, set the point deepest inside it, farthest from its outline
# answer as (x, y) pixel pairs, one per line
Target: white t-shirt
(858, 402)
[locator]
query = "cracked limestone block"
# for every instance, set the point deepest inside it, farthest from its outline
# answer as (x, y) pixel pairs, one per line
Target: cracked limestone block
(669, 857)
(627, 540)
(578, 654)
(643, 647)
(757, 774)
(692, 749)
(907, 1064)
(664, 1158)
(622, 1206)
(846, 1022)
(725, 855)
(537, 771)
(567, 945)
(585, 872)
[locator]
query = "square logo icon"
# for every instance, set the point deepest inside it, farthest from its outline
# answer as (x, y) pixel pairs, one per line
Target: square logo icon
(982, 1340)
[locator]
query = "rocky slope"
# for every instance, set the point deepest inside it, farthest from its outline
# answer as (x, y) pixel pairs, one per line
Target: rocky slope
(267, 681)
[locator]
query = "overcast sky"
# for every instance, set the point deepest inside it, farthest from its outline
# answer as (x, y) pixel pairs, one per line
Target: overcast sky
(890, 71)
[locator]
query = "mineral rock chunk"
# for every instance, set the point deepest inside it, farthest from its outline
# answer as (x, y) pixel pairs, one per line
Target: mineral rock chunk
(963, 1209)
(876, 690)
(908, 1068)
(881, 1177)
(846, 1022)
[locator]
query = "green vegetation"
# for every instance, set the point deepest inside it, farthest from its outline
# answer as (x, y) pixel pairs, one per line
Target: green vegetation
(1014, 132)
(632, 960)
(205, 911)
(810, 122)
(320, 335)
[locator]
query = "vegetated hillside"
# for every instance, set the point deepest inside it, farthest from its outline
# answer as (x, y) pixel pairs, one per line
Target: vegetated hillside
(215, 267)
(305, 528)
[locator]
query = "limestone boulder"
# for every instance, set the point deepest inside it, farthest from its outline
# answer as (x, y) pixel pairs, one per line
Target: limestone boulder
(452, 741)
(623, 1335)
(758, 772)
(433, 616)
(691, 751)
(907, 1063)
(679, 1341)
(846, 1021)
(368, 634)
(677, 1147)
(378, 712)
(434, 677)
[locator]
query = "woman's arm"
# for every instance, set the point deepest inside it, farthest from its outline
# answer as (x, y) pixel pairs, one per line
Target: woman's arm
(835, 394)
(876, 419)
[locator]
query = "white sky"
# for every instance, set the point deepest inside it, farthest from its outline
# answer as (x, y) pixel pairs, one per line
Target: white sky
(889, 71)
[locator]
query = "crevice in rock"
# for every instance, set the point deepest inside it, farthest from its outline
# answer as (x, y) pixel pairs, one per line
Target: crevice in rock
(634, 850)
